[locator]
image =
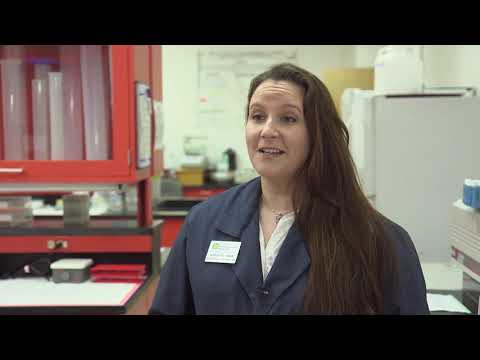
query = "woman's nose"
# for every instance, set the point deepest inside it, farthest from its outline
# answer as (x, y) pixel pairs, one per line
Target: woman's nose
(269, 129)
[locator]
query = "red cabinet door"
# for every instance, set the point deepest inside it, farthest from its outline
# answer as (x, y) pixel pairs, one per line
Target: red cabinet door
(157, 95)
(125, 64)
(156, 72)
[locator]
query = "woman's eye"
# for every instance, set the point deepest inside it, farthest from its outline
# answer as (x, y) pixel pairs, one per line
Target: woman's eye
(257, 117)
(289, 119)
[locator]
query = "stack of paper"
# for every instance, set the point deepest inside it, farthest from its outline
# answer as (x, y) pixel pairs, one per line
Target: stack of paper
(465, 238)
(124, 273)
(437, 302)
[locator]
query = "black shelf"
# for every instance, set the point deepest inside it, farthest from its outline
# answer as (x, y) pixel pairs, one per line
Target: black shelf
(96, 226)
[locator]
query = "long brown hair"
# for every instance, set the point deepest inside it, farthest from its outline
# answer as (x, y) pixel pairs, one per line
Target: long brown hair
(352, 258)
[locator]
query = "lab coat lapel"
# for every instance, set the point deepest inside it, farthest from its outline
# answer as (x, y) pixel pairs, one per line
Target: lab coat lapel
(248, 267)
(240, 220)
(240, 210)
(291, 262)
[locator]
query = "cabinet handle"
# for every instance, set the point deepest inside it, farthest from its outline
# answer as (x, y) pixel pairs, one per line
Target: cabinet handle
(10, 171)
(57, 244)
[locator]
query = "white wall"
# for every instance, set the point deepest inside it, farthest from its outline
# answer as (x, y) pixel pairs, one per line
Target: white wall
(445, 65)
(452, 65)
(364, 55)
(180, 84)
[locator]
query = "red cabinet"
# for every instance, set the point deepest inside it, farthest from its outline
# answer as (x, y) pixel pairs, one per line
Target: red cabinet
(172, 224)
(200, 192)
(75, 86)
(170, 229)
(75, 244)
(68, 116)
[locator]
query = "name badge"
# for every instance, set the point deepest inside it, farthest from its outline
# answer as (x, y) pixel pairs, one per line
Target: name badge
(224, 252)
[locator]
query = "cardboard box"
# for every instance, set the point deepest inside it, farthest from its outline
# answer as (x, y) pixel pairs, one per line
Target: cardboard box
(337, 80)
(191, 176)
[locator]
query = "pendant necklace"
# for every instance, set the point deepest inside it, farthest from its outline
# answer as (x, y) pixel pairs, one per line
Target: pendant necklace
(278, 214)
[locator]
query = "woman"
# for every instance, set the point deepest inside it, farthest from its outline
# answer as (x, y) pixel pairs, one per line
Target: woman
(300, 239)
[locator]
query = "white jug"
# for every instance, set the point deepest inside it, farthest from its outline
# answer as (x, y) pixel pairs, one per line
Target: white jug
(398, 70)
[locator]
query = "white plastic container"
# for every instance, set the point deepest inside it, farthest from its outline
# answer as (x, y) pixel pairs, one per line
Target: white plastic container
(96, 102)
(76, 209)
(71, 270)
(41, 128)
(14, 98)
(72, 104)
(398, 70)
(55, 89)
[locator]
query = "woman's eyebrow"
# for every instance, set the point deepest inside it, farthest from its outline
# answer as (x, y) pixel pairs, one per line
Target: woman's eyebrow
(255, 104)
(292, 106)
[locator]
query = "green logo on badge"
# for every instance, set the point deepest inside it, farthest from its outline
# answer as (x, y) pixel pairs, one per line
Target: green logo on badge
(215, 246)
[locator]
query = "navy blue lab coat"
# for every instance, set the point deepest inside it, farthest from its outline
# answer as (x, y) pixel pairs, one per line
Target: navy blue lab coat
(189, 285)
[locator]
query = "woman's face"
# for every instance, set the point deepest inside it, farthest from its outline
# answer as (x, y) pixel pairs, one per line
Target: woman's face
(276, 133)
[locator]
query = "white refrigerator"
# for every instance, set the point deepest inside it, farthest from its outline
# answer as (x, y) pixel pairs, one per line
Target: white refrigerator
(413, 154)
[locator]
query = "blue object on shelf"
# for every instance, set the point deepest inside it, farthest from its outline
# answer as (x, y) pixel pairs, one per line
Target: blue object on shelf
(43, 61)
(468, 190)
(476, 195)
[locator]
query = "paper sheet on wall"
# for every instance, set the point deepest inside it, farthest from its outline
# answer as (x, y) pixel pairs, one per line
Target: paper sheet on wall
(224, 78)
(144, 125)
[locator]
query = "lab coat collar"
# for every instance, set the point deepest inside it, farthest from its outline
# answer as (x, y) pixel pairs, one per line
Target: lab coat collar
(240, 209)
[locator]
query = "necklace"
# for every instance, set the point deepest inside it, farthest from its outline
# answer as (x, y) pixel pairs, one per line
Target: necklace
(278, 214)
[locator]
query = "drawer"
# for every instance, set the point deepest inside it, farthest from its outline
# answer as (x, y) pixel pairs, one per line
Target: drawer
(76, 244)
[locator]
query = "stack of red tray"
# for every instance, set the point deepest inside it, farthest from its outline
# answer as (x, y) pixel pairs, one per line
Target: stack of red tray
(130, 273)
